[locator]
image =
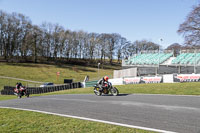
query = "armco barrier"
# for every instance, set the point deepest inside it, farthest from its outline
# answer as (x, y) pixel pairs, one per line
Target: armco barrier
(90, 83)
(9, 90)
(68, 81)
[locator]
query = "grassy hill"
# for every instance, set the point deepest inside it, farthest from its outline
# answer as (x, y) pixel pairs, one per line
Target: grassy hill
(47, 73)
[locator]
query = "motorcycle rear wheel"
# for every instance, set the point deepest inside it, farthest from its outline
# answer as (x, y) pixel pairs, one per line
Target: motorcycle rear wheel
(27, 95)
(19, 95)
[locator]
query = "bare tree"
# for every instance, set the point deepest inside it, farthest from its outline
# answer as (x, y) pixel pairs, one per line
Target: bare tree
(145, 45)
(24, 30)
(37, 42)
(57, 29)
(190, 28)
(93, 40)
(176, 47)
(81, 35)
(120, 48)
(102, 46)
(2, 31)
(75, 45)
(128, 49)
(68, 43)
(47, 30)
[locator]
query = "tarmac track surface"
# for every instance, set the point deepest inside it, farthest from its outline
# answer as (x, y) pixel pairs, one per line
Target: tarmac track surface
(163, 112)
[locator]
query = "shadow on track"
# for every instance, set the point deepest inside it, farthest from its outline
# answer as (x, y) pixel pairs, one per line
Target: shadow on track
(117, 95)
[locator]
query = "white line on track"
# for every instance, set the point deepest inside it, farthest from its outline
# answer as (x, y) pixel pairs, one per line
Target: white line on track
(95, 120)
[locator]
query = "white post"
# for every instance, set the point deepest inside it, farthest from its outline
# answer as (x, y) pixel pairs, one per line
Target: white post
(159, 52)
(195, 61)
(98, 69)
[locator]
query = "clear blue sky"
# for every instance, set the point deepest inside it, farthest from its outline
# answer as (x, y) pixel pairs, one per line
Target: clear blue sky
(133, 19)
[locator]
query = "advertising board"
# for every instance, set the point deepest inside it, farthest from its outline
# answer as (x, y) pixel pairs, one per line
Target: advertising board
(134, 80)
(187, 78)
(116, 81)
(151, 79)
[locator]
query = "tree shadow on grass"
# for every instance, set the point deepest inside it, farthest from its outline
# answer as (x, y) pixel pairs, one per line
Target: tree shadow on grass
(76, 68)
(24, 64)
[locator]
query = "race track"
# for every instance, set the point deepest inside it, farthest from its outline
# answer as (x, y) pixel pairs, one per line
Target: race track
(162, 112)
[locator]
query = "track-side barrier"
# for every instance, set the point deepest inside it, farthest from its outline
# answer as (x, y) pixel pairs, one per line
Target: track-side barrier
(9, 90)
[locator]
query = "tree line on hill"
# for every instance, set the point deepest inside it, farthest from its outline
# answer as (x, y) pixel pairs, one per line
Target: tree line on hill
(20, 39)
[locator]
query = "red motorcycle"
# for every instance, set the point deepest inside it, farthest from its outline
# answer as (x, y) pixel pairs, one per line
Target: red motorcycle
(22, 91)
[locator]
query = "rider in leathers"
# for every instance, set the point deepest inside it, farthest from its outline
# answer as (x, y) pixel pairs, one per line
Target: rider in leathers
(18, 85)
(103, 82)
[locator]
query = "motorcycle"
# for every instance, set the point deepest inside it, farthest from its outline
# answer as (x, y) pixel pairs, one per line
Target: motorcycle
(22, 91)
(106, 90)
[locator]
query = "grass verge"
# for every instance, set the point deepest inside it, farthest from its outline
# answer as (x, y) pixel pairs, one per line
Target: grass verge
(164, 88)
(26, 121)
(192, 88)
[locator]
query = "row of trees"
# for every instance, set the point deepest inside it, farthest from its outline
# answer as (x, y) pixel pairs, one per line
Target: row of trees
(20, 38)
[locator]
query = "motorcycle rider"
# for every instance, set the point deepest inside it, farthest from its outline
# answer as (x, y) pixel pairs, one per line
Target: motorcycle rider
(103, 83)
(18, 85)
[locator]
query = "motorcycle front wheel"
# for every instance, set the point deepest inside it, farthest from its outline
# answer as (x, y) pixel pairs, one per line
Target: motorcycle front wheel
(114, 91)
(97, 92)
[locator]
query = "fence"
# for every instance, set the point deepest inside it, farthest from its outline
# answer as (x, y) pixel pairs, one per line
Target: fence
(91, 83)
(9, 90)
(125, 72)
